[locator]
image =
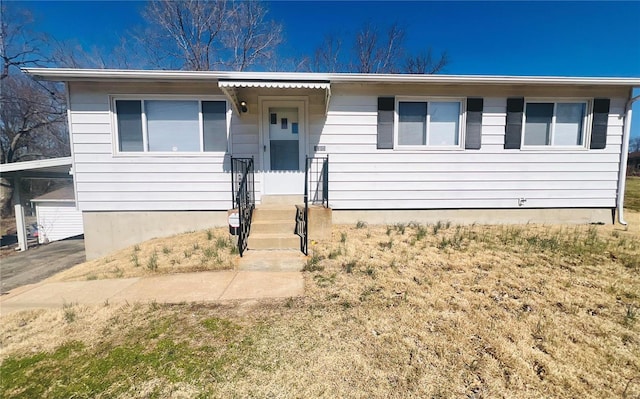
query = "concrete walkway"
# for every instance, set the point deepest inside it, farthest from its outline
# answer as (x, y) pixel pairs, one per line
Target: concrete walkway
(175, 288)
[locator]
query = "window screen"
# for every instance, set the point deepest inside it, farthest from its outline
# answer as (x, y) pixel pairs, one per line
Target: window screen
(129, 114)
(412, 123)
(444, 118)
(214, 118)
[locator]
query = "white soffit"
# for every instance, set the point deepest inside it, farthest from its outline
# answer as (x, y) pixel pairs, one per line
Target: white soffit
(274, 85)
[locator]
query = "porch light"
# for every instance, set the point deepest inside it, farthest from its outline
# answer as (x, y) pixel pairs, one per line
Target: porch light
(243, 106)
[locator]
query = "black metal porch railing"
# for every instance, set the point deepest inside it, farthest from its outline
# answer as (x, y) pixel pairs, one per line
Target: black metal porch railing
(243, 196)
(316, 191)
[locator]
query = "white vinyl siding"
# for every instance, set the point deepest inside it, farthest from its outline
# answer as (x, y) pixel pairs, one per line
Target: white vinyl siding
(58, 220)
(361, 176)
(108, 181)
(364, 177)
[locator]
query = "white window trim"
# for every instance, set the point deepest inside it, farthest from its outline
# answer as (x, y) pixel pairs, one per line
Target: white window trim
(145, 138)
(586, 123)
(461, 124)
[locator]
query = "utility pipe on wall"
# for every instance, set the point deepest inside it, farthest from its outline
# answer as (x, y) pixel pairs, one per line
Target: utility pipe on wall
(624, 156)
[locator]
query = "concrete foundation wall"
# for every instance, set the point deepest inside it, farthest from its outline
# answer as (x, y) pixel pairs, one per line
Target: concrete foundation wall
(106, 232)
(480, 216)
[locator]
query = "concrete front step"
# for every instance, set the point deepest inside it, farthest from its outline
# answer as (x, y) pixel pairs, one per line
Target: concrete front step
(282, 199)
(274, 213)
(273, 241)
(273, 226)
(272, 260)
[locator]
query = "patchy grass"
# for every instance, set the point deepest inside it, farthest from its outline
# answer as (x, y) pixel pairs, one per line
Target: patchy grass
(443, 311)
(632, 193)
(198, 251)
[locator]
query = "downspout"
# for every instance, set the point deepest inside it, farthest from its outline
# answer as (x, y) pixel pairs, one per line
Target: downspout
(624, 156)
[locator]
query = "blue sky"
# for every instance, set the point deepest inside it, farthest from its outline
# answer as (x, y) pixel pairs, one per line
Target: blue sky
(500, 38)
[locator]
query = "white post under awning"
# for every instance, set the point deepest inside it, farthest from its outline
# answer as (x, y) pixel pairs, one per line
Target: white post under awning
(21, 226)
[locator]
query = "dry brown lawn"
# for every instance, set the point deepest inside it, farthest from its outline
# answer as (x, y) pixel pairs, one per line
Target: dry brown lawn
(436, 311)
(210, 249)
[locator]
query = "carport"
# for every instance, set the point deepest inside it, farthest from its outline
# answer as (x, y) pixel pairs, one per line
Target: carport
(53, 168)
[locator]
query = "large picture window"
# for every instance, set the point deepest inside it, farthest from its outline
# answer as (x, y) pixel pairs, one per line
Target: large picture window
(432, 123)
(559, 124)
(171, 125)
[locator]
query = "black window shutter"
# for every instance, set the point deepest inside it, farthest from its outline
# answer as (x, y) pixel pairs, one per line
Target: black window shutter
(386, 107)
(513, 132)
(600, 122)
(473, 135)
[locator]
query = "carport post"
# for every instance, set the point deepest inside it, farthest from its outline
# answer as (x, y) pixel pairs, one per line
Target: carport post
(21, 227)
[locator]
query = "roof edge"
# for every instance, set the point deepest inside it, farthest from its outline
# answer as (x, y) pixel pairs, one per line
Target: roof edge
(70, 74)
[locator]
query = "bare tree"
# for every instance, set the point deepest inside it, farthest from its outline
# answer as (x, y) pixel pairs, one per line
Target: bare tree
(33, 120)
(32, 113)
(205, 35)
(376, 51)
(634, 144)
(19, 45)
(249, 36)
(424, 63)
(327, 57)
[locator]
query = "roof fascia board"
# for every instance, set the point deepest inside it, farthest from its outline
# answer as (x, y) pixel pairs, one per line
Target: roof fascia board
(37, 164)
(65, 74)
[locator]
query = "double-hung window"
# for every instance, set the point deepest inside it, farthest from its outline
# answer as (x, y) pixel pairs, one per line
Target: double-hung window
(429, 123)
(556, 124)
(158, 125)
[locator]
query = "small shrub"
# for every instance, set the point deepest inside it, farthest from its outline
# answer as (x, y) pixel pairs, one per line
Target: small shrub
(389, 230)
(166, 250)
(400, 227)
(222, 242)
(209, 253)
(69, 312)
(210, 235)
(152, 263)
(421, 233)
(135, 260)
(92, 276)
(335, 253)
(386, 245)
(187, 253)
(343, 237)
(136, 248)
(196, 246)
(313, 264)
(630, 315)
(348, 267)
(361, 224)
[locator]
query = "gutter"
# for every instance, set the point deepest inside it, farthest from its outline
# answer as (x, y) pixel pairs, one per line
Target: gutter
(624, 156)
(70, 74)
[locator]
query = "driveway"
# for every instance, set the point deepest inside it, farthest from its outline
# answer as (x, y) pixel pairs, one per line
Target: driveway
(38, 263)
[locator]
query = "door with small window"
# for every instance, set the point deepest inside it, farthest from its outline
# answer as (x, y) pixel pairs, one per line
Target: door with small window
(283, 139)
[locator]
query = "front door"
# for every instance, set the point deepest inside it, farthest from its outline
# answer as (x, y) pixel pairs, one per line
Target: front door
(283, 131)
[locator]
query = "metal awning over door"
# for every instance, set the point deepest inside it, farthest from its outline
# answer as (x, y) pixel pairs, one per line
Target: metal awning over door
(230, 88)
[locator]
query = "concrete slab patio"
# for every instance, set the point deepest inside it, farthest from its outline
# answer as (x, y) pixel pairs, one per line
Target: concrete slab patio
(175, 288)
